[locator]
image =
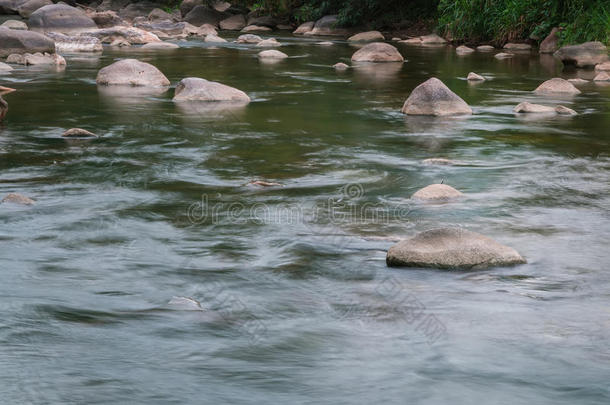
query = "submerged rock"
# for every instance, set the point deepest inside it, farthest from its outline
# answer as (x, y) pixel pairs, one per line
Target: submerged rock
(78, 133)
(214, 38)
(325, 43)
(452, 248)
(411, 41)
(304, 28)
(432, 39)
(80, 43)
(197, 89)
(437, 192)
(268, 43)
(485, 48)
(438, 161)
(377, 52)
(16, 198)
(60, 18)
(185, 304)
(16, 41)
(272, 54)
(475, 77)
(526, 107)
(369, 36)
(550, 43)
(584, 55)
(578, 80)
(255, 28)
(563, 110)
(160, 45)
(463, 50)
(340, 66)
(517, 47)
(558, 86)
(503, 55)
(432, 97)
(248, 39)
(131, 72)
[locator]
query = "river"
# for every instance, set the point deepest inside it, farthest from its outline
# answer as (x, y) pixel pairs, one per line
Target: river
(297, 304)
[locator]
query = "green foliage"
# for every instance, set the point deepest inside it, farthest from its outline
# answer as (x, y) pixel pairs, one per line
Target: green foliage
(512, 20)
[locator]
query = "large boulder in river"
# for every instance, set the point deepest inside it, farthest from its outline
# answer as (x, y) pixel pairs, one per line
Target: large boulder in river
(304, 28)
(369, 36)
(80, 43)
(550, 43)
(132, 35)
(377, 52)
(452, 248)
(197, 89)
(557, 85)
(432, 97)
(17, 41)
(200, 15)
(131, 72)
(327, 26)
(584, 55)
(234, 23)
(60, 18)
(26, 9)
(272, 54)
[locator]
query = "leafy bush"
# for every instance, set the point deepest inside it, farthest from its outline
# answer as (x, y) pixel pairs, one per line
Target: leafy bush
(511, 20)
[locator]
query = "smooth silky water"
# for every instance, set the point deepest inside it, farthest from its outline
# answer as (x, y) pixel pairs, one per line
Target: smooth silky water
(299, 304)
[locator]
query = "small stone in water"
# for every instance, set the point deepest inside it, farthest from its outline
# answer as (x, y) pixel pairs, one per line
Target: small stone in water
(263, 183)
(78, 133)
(16, 198)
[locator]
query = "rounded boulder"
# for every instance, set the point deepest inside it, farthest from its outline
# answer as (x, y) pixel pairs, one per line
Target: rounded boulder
(131, 72)
(377, 52)
(197, 89)
(432, 97)
(452, 248)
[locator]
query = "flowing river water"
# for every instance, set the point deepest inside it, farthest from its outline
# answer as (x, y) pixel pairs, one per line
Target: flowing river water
(297, 304)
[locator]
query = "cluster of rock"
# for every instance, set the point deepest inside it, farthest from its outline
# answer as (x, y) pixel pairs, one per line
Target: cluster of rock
(135, 73)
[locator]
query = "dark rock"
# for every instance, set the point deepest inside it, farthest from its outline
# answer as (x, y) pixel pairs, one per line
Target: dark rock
(60, 18)
(14, 41)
